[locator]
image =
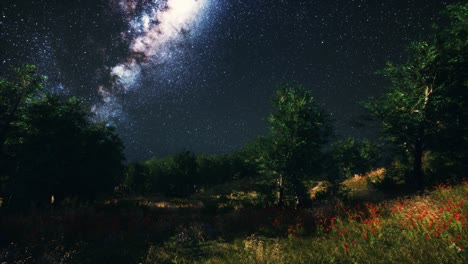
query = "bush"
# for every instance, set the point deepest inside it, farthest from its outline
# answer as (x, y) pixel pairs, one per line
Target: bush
(394, 178)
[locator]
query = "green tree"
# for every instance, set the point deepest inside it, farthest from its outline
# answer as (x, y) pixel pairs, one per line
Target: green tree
(251, 158)
(15, 94)
(184, 174)
(423, 107)
(51, 146)
(60, 152)
(298, 131)
(350, 157)
(137, 178)
(213, 169)
(173, 175)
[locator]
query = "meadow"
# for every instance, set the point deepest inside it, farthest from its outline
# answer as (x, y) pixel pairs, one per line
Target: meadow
(240, 227)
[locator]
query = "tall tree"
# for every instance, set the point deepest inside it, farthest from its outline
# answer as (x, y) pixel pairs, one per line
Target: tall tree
(298, 130)
(50, 146)
(14, 96)
(425, 101)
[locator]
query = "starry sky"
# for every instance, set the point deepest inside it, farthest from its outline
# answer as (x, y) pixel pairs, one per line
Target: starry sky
(199, 75)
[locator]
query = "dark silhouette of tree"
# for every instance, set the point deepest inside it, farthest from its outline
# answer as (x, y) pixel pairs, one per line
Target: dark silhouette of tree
(53, 147)
(15, 93)
(137, 178)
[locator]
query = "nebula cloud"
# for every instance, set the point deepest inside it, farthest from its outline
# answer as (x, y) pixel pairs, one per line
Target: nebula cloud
(154, 27)
(126, 74)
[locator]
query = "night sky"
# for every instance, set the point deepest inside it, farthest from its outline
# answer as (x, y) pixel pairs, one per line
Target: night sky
(199, 75)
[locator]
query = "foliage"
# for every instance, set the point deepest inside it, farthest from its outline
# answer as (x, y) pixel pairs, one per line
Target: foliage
(298, 132)
(393, 179)
(137, 179)
(15, 94)
(351, 157)
(52, 147)
(423, 108)
(186, 173)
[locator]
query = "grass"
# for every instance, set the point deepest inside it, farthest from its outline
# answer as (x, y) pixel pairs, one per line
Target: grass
(431, 228)
(425, 228)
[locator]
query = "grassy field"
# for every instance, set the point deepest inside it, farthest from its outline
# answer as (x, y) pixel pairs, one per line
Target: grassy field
(424, 228)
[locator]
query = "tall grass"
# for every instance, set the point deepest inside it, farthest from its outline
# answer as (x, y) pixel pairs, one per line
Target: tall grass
(430, 228)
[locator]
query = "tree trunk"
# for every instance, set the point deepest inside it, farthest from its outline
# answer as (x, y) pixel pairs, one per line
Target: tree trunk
(302, 199)
(417, 167)
(417, 181)
(280, 201)
(417, 160)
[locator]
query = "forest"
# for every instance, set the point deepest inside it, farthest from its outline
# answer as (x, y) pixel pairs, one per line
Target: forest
(301, 193)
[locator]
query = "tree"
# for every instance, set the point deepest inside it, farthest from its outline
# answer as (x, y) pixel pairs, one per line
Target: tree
(53, 147)
(173, 175)
(350, 157)
(184, 173)
(250, 159)
(298, 131)
(213, 169)
(60, 152)
(15, 94)
(424, 103)
(137, 178)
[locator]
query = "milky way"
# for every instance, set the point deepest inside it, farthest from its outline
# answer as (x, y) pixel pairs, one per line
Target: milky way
(174, 75)
(154, 28)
